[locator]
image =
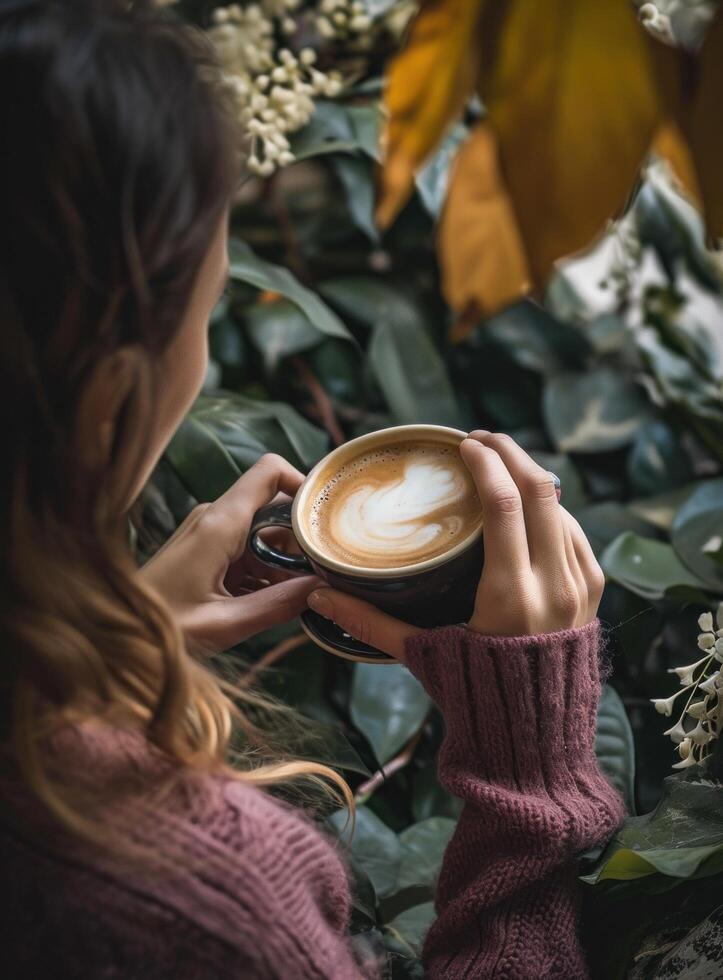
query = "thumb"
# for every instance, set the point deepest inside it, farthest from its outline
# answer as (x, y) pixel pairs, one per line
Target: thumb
(363, 621)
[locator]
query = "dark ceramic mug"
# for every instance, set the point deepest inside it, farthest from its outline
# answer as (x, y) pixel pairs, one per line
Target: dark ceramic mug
(437, 592)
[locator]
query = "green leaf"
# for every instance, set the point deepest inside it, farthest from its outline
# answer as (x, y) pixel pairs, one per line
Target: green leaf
(423, 845)
(374, 847)
(328, 131)
(412, 925)
(388, 705)
(535, 340)
(593, 412)
(357, 178)
(674, 228)
(226, 342)
(681, 838)
(680, 383)
(338, 367)
(607, 333)
(430, 798)
(280, 329)
(657, 461)
(648, 568)
(433, 177)
(563, 300)
(315, 730)
(328, 745)
(412, 375)
(225, 435)
(365, 122)
(246, 266)
(660, 509)
(335, 128)
(203, 463)
(614, 746)
(604, 522)
(369, 301)
(697, 530)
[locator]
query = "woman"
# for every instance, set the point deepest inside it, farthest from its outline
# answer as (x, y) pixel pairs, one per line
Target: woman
(130, 847)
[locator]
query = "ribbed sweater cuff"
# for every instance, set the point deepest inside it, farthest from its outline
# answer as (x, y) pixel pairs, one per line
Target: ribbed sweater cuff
(522, 710)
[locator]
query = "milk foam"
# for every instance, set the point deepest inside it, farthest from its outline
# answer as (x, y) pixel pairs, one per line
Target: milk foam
(396, 507)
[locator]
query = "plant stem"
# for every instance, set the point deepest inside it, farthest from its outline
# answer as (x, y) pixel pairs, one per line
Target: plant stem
(321, 400)
(367, 789)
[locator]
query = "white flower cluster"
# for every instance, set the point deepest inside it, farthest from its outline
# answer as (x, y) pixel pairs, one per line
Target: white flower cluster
(703, 682)
(344, 20)
(655, 21)
(274, 89)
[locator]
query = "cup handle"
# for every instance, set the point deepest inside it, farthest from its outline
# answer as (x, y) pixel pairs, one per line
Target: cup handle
(275, 515)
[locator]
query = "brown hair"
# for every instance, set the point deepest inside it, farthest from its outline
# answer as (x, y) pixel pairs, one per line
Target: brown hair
(119, 161)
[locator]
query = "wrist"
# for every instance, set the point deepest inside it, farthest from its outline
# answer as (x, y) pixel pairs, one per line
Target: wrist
(513, 705)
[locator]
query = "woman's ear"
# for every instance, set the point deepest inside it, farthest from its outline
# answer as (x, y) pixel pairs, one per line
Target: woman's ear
(114, 384)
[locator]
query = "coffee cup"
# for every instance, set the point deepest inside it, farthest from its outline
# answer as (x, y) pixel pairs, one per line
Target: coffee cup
(392, 517)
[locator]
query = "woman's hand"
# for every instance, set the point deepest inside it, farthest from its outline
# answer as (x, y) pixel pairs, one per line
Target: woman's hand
(218, 591)
(540, 574)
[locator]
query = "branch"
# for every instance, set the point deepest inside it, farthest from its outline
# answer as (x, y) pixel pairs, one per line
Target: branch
(273, 655)
(294, 257)
(387, 771)
(321, 400)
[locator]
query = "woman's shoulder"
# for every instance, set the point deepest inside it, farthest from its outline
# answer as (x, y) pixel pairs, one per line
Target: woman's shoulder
(229, 858)
(172, 806)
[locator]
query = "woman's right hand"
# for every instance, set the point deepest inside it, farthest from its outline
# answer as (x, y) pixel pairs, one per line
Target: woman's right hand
(540, 574)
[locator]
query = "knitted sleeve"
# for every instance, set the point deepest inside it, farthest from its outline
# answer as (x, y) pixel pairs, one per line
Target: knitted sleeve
(520, 717)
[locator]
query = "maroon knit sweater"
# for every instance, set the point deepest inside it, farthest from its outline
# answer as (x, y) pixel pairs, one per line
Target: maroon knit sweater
(245, 887)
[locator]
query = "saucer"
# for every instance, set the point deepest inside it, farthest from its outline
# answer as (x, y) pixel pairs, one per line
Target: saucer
(333, 639)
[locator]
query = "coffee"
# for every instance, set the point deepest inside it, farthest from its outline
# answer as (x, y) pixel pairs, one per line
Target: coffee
(394, 505)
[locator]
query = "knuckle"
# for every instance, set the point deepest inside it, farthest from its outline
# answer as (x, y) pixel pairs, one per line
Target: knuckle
(539, 486)
(566, 600)
(358, 627)
(272, 461)
(501, 439)
(596, 580)
(204, 516)
(505, 499)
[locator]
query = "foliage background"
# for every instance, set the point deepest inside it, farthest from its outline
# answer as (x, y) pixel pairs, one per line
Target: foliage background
(614, 381)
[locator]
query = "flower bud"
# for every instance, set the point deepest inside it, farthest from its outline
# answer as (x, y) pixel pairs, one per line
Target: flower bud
(664, 706)
(677, 733)
(705, 621)
(698, 709)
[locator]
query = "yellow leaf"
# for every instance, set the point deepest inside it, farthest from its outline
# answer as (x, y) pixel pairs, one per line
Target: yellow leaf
(427, 87)
(480, 250)
(671, 145)
(702, 124)
(574, 103)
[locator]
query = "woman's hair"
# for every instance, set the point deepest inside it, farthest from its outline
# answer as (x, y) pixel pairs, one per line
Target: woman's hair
(119, 161)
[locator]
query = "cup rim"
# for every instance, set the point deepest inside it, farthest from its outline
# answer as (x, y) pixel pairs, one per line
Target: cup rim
(418, 430)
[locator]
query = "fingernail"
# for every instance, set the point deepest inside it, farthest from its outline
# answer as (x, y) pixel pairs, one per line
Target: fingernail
(557, 484)
(478, 434)
(319, 603)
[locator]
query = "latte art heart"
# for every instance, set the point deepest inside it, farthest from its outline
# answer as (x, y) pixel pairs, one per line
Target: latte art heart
(396, 506)
(402, 517)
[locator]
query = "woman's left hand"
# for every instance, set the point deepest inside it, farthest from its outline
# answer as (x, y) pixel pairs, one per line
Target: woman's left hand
(218, 591)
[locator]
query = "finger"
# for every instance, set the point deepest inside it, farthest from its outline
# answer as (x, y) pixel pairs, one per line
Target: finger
(505, 536)
(363, 621)
(539, 499)
(572, 561)
(239, 617)
(231, 514)
(589, 566)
